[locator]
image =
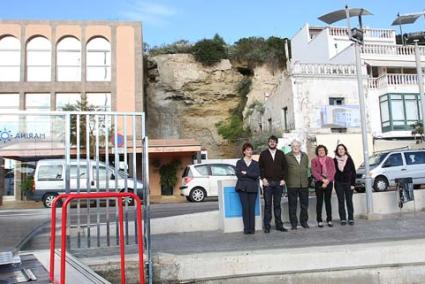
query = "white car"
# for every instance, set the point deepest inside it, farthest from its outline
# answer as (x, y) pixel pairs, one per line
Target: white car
(201, 180)
(49, 180)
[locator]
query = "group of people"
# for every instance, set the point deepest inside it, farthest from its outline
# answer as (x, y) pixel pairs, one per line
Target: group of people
(278, 171)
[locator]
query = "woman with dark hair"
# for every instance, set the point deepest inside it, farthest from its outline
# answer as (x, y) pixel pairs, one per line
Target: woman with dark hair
(323, 171)
(248, 173)
(345, 178)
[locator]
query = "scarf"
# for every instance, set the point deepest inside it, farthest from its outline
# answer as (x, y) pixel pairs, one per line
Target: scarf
(322, 161)
(341, 162)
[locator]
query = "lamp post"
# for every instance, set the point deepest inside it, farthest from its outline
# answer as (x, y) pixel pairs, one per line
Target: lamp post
(356, 35)
(410, 19)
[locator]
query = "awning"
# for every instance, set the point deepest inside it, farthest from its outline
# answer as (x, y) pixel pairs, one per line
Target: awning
(391, 63)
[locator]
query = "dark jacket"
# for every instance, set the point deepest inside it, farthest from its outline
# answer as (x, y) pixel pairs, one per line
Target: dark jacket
(273, 170)
(348, 175)
(297, 172)
(247, 182)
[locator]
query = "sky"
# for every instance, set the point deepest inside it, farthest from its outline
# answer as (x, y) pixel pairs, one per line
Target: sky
(166, 21)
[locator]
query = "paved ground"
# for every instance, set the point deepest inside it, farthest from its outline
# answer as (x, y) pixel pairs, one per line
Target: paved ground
(393, 227)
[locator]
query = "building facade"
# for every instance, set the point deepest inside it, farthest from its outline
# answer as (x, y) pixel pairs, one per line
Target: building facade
(317, 98)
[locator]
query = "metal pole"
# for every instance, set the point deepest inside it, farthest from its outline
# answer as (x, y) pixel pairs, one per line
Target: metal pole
(420, 82)
(369, 200)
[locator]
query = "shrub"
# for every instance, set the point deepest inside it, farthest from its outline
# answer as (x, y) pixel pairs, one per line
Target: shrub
(243, 89)
(210, 51)
(181, 46)
(232, 129)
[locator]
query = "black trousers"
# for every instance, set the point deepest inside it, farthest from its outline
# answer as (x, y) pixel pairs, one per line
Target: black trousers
(345, 196)
(327, 194)
(273, 193)
(293, 195)
(248, 210)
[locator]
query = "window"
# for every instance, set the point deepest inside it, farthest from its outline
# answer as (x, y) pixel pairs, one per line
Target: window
(103, 173)
(285, 118)
(64, 99)
(203, 170)
(399, 111)
(98, 60)
(222, 170)
(10, 59)
(38, 102)
(69, 59)
(9, 102)
(102, 101)
(394, 160)
(50, 173)
(336, 101)
(74, 172)
(39, 59)
(414, 158)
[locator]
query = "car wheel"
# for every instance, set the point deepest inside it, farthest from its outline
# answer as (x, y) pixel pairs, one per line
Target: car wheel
(380, 184)
(48, 200)
(188, 198)
(198, 194)
(360, 189)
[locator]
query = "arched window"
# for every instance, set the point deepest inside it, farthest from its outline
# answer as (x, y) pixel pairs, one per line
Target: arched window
(69, 59)
(10, 59)
(98, 60)
(39, 59)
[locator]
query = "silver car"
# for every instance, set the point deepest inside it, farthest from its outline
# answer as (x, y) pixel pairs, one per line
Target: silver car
(388, 166)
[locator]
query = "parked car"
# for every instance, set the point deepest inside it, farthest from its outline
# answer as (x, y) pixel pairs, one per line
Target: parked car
(49, 179)
(201, 180)
(389, 165)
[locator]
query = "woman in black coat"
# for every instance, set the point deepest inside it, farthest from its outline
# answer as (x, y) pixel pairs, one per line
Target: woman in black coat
(248, 173)
(345, 178)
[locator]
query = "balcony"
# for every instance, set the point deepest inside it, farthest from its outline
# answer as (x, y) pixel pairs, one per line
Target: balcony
(369, 34)
(395, 82)
(392, 49)
(324, 69)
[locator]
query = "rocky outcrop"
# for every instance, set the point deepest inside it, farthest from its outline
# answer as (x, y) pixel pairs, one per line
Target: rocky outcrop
(185, 99)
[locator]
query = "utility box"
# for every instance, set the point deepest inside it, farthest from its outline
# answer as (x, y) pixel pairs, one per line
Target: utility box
(230, 215)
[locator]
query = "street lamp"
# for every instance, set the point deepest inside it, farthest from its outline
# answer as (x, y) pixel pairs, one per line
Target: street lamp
(410, 19)
(356, 35)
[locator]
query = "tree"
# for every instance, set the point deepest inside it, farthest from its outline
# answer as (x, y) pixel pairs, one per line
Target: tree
(210, 51)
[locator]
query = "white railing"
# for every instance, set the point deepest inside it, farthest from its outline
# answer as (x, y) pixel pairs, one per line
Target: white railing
(393, 80)
(324, 69)
(386, 34)
(391, 49)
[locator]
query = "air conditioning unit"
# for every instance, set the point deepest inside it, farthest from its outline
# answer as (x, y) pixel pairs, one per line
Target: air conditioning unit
(342, 116)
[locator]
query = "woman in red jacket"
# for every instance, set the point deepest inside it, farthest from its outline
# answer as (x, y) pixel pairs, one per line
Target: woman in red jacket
(323, 170)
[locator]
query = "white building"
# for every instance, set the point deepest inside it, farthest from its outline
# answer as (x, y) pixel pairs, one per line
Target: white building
(317, 98)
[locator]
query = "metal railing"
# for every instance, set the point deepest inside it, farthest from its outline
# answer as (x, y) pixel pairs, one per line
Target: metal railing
(67, 199)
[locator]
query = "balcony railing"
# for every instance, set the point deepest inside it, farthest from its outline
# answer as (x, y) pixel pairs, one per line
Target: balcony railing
(393, 80)
(386, 34)
(391, 49)
(324, 69)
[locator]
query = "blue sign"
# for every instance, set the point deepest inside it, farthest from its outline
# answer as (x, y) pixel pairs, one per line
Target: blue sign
(7, 136)
(232, 203)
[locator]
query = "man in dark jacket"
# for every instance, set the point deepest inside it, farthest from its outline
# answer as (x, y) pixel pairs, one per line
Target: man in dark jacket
(273, 173)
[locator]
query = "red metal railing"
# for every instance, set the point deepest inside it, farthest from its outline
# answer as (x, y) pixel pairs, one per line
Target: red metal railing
(68, 198)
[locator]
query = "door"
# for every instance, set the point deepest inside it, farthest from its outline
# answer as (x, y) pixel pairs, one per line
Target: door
(220, 172)
(78, 176)
(415, 165)
(394, 167)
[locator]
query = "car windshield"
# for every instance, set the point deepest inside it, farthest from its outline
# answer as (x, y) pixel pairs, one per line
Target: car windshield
(376, 159)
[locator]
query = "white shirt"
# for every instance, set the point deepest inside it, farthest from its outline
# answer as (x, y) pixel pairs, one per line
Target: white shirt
(247, 162)
(298, 157)
(273, 153)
